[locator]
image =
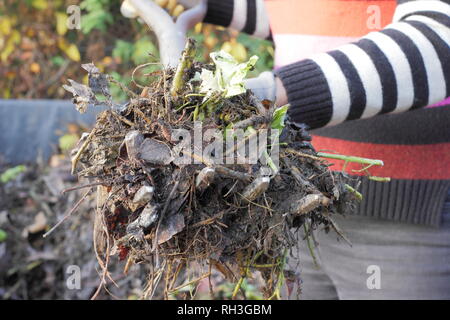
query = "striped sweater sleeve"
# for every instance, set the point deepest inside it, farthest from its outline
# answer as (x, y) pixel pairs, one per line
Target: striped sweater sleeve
(247, 16)
(405, 66)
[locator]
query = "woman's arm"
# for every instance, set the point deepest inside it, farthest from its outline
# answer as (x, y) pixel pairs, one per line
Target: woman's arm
(403, 67)
(247, 16)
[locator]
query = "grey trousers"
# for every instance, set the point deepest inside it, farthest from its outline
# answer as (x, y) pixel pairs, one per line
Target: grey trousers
(388, 260)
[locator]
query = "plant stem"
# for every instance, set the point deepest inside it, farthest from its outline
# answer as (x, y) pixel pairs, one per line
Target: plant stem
(269, 265)
(237, 287)
(186, 61)
(380, 179)
(350, 159)
(190, 282)
(357, 194)
(244, 274)
(310, 246)
(277, 293)
(196, 111)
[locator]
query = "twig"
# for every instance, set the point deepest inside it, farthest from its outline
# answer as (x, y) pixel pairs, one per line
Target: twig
(233, 174)
(130, 93)
(220, 169)
(208, 221)
(241, 143)
(138, 68)
(255, 204)
(175, 275)
(303, 155)
(262, 110)
(82, 187)
(300, 180)
(206, 275)
(68, 214)
(81, 150)
(143, 116)
(103, 265)
(130, 262)
(123, 119)
(255, 120)
(339, 231)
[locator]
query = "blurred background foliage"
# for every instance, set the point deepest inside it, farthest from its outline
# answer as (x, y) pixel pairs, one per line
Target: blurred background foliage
(38, 53)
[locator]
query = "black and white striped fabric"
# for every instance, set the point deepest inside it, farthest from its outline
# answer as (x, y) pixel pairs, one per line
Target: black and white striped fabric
(248, 16)
(403, 67)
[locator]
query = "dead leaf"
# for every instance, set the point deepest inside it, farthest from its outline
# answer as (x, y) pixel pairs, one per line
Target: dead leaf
(90, 68)
(61, 23)
(98, 82)
(148, 216)
(70, 49)
(35, 67)
(141, 198)
(173, 225)
(82, 95)
(155, 152)
(133, 141)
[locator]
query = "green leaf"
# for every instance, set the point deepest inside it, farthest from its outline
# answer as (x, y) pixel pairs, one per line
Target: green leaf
(39, 4)
(12, 173)
(67, 142)
(123, 50)
(228, 78)
(142, 50)
(3, 235)
(57, 61)
(93, 5)
(61, 23)
(96, 19)
(117, 92)
(279, 115)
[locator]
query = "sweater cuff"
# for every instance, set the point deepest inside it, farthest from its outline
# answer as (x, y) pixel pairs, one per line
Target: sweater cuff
(220, 12)
(308, 93)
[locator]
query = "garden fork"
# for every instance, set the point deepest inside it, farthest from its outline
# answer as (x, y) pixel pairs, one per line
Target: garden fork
(171, 35)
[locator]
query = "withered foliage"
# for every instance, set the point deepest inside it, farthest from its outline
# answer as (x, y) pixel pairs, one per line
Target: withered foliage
(235, 218)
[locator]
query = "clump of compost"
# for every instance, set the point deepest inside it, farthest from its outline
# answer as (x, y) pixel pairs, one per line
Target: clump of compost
(172, 200)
